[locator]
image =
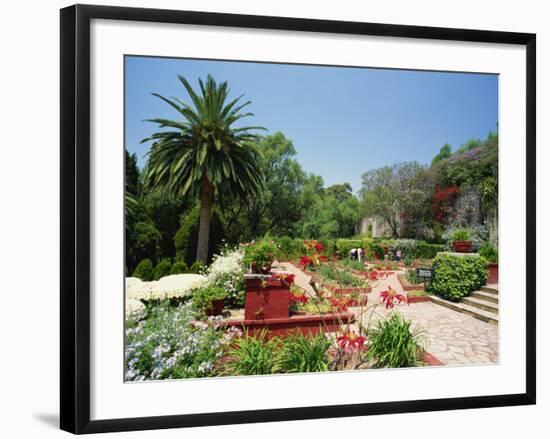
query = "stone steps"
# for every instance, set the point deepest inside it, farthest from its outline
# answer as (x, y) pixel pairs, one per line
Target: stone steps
(488, 297)
(483, 304)
(478, 313)
(490, 290)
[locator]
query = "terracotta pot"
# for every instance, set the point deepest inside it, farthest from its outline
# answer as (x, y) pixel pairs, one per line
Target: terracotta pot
(462, 246)
(216, 308)
(493, 273)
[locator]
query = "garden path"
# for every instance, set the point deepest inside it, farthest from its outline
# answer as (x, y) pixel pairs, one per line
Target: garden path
(453, 338)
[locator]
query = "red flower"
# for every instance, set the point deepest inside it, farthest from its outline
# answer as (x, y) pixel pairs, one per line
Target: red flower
(285, 277)
(319, 247)
(391, 298)
(340, 303)
(351, 342)
(306, 261)
(299, 298)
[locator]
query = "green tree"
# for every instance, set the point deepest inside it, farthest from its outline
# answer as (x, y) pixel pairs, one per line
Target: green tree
(204, 153)
(444, 153)
(277, 208)
(145, 243)
(391, 191)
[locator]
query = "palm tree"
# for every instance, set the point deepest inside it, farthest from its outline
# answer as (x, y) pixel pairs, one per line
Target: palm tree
(204, 153)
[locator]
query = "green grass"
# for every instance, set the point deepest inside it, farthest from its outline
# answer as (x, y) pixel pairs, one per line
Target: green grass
(392, 343)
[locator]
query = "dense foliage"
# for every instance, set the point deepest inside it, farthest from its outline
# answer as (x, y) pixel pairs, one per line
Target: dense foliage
(457, 276)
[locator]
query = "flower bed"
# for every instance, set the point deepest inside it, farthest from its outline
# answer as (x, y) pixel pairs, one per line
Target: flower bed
(407, 285)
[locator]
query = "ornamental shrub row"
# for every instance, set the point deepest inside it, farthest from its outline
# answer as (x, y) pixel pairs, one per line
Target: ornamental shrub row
(146, 271)
(457, 276)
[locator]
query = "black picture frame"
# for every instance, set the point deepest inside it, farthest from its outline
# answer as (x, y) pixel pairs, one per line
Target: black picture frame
(75, 217)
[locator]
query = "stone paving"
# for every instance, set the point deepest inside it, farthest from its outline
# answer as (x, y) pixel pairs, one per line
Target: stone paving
(452, 337)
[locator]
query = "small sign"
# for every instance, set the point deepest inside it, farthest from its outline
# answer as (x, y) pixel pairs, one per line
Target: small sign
(425, 273)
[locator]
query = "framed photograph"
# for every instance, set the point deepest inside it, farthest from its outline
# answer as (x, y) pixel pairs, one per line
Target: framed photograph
(272, 218)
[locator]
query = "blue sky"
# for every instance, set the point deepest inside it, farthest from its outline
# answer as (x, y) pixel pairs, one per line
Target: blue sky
(342, 121)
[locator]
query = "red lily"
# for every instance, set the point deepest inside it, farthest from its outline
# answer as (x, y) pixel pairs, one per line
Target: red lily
(351, 342)
(391, 297)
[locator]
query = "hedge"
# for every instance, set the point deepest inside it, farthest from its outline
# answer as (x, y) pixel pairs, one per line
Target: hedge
(144, 270)
(162, 268)
(179, 267)
(457, 276)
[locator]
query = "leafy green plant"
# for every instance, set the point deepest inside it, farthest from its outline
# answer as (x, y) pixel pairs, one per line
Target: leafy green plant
(254, 355)
(179, 267)
(353, 264)
(489, 252)
(413, 278)
(457, 276)
(408, 260)
(299, 353)
(393, 343)
(342, 277)
(203, 297)
(461, 235)
(316, 306)
(163, 268)
(260, 255)
(144, 270)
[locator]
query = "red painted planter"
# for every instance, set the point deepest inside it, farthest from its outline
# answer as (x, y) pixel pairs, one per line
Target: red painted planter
(266, 299)
(493, 273)
(462, 246)
(217, 308)
(309, 324)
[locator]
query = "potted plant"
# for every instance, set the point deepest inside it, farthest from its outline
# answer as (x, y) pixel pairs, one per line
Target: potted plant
(462, 241)
(209, 300)
(259, 256)
(491, 254)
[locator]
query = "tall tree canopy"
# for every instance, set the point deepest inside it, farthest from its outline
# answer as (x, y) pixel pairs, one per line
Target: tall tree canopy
(392, 190)
(204, 152)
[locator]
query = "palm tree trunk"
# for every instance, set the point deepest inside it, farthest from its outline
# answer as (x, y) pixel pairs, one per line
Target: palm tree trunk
(207, 200)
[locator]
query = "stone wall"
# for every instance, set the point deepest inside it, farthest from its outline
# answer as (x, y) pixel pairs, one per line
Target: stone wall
(379, 227)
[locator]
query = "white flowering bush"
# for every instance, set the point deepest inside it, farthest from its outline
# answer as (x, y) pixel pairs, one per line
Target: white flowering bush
(167, 345)
(227, 272)
(134, 309)
(175, 286)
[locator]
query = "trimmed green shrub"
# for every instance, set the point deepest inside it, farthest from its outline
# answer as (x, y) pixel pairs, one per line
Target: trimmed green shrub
(179, 267)
(289, 248)
(162, 268)
(427, 251)
(393, 343)
(344, 246)
(457, 276)
(144, 270)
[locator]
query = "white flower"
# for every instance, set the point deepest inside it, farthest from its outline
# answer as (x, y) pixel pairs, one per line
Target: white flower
(134, 309)
(230, 263)
(168, 287)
